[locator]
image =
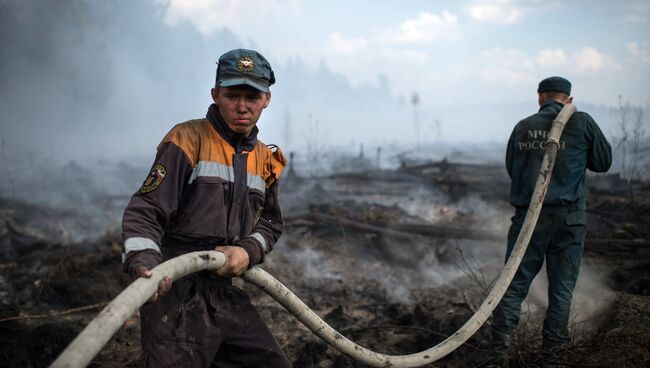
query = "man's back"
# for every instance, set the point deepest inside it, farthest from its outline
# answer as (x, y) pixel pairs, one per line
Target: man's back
(582, 146)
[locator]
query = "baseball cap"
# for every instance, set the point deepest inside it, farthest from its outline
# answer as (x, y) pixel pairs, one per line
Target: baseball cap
(554, 84)
(244, 67)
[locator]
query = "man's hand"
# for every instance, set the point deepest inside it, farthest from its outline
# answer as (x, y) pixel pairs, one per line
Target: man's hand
(163, 286)
(236, 260)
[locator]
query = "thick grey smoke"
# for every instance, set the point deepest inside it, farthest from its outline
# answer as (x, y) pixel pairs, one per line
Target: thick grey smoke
(84, 79)
(88, 80)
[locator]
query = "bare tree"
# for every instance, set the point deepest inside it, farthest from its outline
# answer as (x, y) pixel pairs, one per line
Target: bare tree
(415, 101)
(629, 143)
(287, 127)
(314, 148)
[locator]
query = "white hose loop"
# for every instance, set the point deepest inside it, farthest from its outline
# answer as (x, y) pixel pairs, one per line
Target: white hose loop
(93, 338)
(84, 348)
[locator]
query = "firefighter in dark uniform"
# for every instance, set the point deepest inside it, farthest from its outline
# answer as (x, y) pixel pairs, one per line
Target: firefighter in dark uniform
(213, 185)
(560, 232)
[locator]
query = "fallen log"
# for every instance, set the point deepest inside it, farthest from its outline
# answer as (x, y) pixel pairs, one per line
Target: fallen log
(397, 230)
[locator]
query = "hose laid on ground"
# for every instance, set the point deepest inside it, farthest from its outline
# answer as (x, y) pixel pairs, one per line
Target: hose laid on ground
(93, 338)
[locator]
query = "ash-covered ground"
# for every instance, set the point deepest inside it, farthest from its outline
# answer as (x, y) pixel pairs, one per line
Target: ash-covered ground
(396, 260)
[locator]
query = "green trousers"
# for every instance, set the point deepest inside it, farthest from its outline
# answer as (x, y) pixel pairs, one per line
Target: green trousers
(559, 237)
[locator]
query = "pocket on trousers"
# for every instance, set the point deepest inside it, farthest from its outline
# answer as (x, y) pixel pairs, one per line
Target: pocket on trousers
(576, 219)
(576, 228)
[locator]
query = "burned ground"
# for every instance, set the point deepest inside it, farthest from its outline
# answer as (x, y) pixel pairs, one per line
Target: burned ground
(396, 260)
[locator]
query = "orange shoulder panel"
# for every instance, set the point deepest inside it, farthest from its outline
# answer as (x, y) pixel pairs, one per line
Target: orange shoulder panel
(187, 137)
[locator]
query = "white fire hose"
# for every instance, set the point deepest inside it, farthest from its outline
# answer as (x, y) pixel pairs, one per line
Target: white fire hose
(93, 338)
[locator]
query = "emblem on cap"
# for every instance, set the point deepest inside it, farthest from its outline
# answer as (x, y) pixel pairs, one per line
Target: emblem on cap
(246, 64)
(154, 179)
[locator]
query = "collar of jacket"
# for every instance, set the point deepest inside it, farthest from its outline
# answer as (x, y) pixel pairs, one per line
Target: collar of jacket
(238, 141)
(557, 106)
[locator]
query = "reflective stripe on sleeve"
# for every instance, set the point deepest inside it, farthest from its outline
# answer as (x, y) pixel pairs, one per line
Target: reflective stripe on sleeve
(136, 244)
(261, 240)
(212, 169)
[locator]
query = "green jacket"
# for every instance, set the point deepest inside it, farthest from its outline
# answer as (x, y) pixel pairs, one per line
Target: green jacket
(582, 146)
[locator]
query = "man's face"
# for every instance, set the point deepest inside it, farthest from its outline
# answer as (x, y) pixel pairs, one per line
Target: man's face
(240, 106)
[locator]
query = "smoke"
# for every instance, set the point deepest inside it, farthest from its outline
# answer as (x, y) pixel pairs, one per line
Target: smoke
(399, 266)
(83, 202)
(84, 79)
(88, 88)
(591, 298)
(315, 264)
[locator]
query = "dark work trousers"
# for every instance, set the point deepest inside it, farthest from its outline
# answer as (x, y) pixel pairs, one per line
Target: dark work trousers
(205, 321)
(559, 236)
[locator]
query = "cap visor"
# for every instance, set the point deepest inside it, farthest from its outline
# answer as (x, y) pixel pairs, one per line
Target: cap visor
(243, 82)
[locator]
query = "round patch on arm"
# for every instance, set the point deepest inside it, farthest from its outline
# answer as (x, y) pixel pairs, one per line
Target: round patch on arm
(154, 179)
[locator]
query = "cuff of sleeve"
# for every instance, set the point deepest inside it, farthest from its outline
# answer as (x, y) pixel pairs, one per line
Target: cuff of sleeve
(255, 254)
(148, 258)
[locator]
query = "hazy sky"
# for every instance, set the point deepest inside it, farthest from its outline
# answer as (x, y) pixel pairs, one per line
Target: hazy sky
(86, 79)
(477, 51)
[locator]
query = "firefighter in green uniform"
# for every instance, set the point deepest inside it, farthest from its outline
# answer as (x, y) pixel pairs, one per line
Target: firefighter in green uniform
(560, 232)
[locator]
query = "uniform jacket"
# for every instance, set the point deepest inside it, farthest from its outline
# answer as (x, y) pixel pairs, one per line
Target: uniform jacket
(582, 146)
(208, 186)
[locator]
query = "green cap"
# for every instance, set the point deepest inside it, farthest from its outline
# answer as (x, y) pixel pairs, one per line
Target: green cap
(554, 84)
(244, 67)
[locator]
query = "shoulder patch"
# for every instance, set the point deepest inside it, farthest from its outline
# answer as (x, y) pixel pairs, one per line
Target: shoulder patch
(154, 179)
(278, 162)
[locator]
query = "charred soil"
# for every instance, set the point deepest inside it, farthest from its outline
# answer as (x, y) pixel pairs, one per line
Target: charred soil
(395, 260)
